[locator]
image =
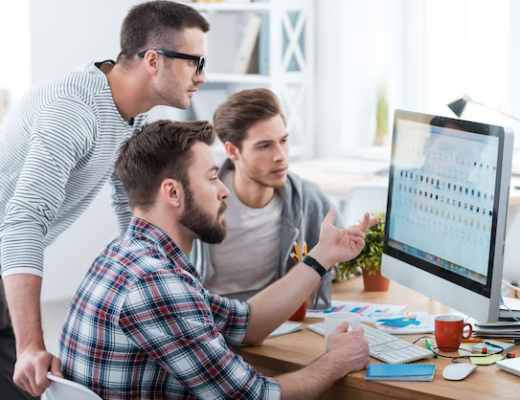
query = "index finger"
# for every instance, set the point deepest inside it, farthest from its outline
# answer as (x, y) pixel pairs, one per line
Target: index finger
(364, 224)
(358, 330)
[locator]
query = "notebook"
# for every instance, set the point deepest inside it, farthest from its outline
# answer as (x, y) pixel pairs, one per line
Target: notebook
(401, 372)
(492, 347)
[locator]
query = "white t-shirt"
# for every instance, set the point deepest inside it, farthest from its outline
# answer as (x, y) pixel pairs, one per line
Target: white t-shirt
(246, 261)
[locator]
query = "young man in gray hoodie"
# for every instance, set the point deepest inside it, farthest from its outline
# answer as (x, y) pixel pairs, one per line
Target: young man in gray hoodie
(270, 208)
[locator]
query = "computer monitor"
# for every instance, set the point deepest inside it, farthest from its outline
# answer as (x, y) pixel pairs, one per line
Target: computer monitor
(447, 209)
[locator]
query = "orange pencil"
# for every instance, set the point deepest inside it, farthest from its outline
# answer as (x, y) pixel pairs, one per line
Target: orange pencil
(297, 250)
(477, 340)
(304, 249)
(294, 258)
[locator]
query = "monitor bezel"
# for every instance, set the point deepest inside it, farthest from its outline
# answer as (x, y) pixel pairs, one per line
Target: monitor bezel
(464, 126)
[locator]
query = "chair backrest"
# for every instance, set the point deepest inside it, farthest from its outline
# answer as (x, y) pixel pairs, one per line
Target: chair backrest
(62, 389)
(369, 197)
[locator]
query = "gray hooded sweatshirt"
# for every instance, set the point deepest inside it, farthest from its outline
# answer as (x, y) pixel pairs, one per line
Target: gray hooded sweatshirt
(305, 206)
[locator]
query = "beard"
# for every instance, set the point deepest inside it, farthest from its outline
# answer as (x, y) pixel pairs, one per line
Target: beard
(201, 222)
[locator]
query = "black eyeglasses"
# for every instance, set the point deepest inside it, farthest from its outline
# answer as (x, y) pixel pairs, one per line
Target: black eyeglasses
(201, 61)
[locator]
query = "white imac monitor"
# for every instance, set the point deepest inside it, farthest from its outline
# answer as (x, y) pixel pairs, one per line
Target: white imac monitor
(447, 209)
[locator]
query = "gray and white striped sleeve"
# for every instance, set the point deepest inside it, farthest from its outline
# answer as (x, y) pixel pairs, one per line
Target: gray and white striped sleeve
(61, 134)
(119, 199)
(120, 202)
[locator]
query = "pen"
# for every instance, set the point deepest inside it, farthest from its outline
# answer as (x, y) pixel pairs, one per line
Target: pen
(297, 250)
(476, 340)
(430, 347)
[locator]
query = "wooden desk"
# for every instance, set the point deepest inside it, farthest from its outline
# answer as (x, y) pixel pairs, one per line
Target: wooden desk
(290, 352)
(324, 173)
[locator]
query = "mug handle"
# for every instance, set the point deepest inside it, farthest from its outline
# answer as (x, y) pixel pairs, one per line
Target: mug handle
(470, 331)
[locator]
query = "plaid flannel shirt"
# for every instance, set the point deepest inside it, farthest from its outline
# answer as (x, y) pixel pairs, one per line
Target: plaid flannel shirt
(141, 326)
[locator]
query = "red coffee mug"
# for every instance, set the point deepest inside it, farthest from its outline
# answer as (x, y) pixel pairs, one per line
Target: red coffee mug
(299, 314)
(449, 331)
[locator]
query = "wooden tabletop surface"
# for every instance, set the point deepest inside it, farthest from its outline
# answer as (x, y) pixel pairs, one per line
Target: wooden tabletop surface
(291, 352)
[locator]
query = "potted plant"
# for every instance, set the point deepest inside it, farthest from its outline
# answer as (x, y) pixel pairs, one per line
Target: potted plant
(369, 260)
(382, 138)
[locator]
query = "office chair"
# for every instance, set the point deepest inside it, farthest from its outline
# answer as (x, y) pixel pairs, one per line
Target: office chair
(63, 389)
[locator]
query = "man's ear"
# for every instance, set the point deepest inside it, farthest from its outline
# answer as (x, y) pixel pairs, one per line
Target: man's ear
(151, 62)
(232, 151)
(171, 192)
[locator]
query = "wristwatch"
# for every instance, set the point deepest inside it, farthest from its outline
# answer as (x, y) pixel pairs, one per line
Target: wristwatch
(311, 262)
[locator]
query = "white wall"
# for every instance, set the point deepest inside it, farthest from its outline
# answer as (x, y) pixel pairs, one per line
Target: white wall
(360, 45)
(14, 65)
(67, 33)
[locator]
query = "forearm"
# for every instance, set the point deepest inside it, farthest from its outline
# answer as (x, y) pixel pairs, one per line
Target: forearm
(274, 305)
(23, 298)
(312, 381)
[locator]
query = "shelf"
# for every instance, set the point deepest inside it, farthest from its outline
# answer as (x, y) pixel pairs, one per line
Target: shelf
(252, 7)
(230, 7)
(218, 77)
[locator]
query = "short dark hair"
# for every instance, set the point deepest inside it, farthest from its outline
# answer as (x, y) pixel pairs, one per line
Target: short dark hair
(235, 116)
(154, 25)
(159, 151)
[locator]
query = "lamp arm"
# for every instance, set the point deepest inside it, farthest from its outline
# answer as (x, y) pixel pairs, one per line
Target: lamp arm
(511, 286)
(496, 110)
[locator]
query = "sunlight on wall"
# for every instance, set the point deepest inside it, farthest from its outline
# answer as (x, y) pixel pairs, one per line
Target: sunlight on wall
(465, 48)
(14, 44)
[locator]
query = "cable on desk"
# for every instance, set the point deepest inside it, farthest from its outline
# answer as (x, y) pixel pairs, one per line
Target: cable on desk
(455, 358)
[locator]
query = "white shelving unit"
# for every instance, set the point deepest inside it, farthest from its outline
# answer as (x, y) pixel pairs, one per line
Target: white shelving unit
(227, 7)
(291, 66)
(219, 77)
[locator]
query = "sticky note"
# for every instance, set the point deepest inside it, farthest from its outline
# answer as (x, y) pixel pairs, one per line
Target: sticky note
(481, 359)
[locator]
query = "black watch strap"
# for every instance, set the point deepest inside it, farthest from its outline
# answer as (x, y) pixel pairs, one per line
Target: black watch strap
(311, 262)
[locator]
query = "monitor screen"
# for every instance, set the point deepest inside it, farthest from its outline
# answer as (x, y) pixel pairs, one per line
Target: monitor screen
(443, 199)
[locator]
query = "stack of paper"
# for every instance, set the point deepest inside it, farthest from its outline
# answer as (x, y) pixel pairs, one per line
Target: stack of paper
(501, 329)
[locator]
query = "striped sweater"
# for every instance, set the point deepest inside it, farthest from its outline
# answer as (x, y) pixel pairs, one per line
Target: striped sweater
(57, 150)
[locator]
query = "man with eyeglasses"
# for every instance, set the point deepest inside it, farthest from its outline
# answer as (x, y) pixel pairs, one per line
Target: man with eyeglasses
(57, 150)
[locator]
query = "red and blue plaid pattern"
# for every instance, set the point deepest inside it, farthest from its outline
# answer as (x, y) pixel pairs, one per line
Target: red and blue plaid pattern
(141, 326)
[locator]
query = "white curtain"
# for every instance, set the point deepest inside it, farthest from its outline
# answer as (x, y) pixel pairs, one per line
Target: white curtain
(457, 47)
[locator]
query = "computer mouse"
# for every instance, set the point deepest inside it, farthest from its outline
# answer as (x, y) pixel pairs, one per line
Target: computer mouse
(458, 371)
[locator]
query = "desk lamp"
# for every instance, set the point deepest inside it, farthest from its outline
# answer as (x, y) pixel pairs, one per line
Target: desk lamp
(459, 105)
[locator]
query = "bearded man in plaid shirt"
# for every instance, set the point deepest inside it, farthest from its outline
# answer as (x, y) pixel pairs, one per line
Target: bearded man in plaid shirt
(142, 326)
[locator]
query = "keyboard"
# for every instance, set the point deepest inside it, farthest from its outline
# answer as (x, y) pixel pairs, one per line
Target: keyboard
(385, 347)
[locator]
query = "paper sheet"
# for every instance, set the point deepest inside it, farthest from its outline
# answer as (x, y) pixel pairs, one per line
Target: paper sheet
(404, 323)
(365, 310)
(285, 328)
